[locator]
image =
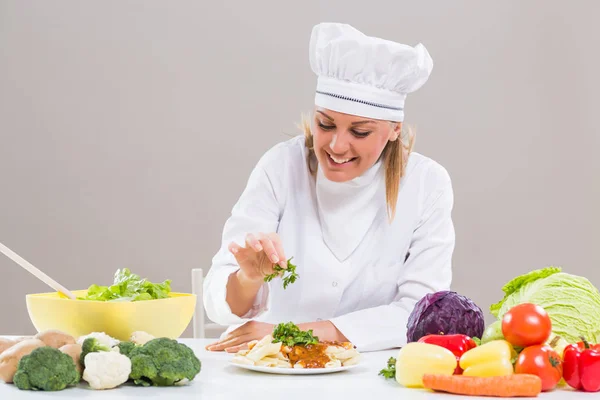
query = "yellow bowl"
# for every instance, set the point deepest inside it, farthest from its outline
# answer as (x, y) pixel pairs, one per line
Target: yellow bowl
(161, 317)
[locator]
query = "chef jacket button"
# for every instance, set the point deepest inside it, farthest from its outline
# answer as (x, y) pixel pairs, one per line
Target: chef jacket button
(334, 284)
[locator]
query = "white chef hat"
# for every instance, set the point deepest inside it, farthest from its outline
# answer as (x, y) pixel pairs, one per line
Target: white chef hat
(363, 75)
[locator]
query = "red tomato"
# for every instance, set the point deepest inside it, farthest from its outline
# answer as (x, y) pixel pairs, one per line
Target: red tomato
(543, 361)
(526, 325)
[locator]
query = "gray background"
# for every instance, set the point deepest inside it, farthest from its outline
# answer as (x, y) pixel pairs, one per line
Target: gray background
(128, 130)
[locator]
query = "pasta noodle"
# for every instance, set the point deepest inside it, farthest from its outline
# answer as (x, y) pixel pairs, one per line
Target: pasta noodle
(334, 363)
(263, 350)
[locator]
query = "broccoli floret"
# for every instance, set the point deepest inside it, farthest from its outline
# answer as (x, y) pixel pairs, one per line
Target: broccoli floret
(91, 345)
(125, 348)
(163, 362)
(46, 368)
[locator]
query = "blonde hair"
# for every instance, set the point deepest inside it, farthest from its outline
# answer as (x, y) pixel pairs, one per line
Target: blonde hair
(394, 161)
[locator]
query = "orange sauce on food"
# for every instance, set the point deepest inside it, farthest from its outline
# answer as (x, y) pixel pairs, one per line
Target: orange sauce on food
(309, 356)
(313, 355)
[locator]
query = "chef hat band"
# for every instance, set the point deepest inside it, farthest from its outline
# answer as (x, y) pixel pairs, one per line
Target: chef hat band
(365, 76)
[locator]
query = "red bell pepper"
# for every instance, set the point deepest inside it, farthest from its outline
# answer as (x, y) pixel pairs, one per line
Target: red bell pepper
(457, 344)
(581, 366)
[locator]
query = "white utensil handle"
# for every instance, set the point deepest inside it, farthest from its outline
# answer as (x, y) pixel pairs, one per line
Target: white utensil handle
(36, 272)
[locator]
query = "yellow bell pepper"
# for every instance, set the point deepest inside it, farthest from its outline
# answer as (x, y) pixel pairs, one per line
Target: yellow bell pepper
(558, 344)
(491, 359)
(416, 359)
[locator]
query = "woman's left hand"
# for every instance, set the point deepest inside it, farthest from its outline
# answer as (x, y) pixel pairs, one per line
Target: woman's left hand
(238, 339)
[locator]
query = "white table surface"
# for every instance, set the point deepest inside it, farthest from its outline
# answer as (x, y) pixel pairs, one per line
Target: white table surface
(219, 380)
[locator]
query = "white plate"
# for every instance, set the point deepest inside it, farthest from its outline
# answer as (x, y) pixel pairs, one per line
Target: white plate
(293, 371)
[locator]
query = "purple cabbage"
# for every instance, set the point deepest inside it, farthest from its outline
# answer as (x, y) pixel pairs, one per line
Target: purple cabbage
(447, 313)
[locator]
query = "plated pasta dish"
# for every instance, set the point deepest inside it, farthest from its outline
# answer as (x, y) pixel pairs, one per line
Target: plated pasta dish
(289, 347)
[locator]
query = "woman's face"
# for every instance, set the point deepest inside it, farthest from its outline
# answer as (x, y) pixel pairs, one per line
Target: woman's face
(347, 145)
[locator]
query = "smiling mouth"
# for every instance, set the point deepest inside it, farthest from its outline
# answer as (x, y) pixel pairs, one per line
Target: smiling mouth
(340, 161)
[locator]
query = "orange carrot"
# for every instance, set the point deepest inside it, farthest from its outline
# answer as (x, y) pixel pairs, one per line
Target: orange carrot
(515, 385)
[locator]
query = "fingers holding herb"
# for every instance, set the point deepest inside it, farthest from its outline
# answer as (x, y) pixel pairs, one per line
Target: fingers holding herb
(271, 245)
(289, 274)
(262, 258)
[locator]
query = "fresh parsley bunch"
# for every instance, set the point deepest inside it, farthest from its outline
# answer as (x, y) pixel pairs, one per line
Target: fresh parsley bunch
(290, 335)
(390, 371)
(289, 274)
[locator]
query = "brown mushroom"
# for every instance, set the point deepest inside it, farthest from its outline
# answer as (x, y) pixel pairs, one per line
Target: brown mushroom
(5, 344)
(9, 359)
(73, 350)
(55, 338)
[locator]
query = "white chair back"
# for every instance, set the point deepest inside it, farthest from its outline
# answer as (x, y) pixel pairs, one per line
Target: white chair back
(198, 290)
(201, 329)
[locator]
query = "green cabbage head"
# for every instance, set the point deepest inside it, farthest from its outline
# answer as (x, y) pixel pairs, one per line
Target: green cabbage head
(571, 301)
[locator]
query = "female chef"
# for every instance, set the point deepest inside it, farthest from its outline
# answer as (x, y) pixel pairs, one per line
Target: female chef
(365, 220)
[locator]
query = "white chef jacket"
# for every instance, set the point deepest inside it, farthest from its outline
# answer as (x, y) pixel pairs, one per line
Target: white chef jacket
(356, 269)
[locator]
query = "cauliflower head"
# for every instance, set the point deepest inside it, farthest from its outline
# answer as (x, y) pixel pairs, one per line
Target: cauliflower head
(106, 370)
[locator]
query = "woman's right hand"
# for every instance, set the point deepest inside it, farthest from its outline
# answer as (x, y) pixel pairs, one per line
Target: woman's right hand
(260, 253)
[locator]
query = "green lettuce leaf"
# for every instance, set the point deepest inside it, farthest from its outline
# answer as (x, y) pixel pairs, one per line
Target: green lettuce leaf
(101, 293)
(129, 286)
(571, 301)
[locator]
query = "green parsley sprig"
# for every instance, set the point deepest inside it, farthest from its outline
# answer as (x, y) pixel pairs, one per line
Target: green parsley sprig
(290, 335)
(288, 274)
(390, 371)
